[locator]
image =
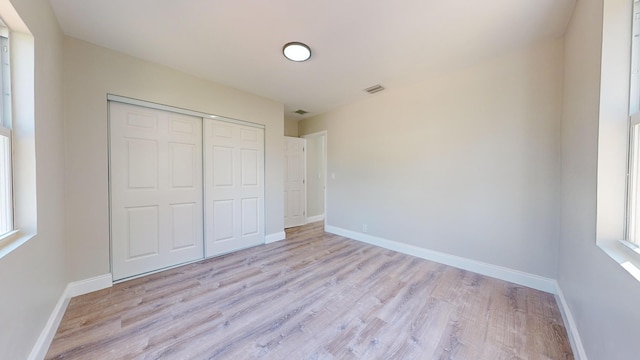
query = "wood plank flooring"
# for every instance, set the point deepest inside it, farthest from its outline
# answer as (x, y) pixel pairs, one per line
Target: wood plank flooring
(313, 296)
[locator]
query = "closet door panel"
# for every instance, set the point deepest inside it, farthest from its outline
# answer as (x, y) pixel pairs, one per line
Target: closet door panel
(156, 189)
(234, 187)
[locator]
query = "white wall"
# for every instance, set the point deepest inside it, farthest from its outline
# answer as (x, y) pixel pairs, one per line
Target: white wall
(467, 163)
(90, 73)
(33, 276)
(601, 295)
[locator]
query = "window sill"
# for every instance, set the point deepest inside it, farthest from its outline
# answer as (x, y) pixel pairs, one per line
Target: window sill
(12, 241)
(626, 254)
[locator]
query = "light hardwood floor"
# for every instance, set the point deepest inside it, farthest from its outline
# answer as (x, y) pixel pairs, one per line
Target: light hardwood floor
(313, 296)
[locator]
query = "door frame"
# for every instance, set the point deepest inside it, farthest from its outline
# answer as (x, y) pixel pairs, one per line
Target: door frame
(324, 134)
(152, 105)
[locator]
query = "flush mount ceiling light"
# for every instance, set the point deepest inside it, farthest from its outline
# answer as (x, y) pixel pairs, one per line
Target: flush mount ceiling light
(296, 51)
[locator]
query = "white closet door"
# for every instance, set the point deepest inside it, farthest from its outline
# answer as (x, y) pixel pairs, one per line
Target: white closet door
(295, 195)
(156, 189)
(234, 186)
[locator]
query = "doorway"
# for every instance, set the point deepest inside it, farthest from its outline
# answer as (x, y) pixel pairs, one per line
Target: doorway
(316, 155)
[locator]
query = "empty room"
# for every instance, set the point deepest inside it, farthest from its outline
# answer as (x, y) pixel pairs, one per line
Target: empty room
(319, 179)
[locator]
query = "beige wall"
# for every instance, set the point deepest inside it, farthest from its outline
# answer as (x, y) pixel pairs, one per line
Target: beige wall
(466, 164)
(290, 127)
(33, 276)
(601, 295)
(91, 72)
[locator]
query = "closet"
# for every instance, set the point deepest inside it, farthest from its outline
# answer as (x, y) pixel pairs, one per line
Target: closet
(183, 186)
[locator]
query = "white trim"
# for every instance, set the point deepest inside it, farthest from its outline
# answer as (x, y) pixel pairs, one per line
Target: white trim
(8, 234)
(316, 218)
(570, 325)
(624, 253)
(86, 286)
(271, 238)
(156, 106)
(13, 240)
(39, 350)
(498, 272)
(41, 347)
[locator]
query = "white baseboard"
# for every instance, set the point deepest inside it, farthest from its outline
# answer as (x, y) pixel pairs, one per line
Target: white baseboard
(312, 219)
(502, 273)
(72, 289)
(498, 272)
(271, 238)
(570, 325)
(86, 286)
(41, 347)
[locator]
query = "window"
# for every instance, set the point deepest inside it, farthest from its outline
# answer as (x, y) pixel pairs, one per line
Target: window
(18, 195)
(618, 141)
(633, 207)
(6, 178)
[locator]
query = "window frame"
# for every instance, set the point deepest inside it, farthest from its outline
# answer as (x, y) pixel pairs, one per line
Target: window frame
(7, 224)
(616, 103)
(21, 58)
(632, 202)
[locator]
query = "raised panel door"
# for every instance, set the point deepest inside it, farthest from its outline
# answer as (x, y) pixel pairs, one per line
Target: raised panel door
(156, 189)
(234, 186)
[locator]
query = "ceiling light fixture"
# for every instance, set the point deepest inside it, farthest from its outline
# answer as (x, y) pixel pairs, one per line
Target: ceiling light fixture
(296, 51)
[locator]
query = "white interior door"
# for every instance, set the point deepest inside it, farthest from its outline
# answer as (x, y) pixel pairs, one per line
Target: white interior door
(156, 189)
(234, 186)
(295, 198)
(316, 176)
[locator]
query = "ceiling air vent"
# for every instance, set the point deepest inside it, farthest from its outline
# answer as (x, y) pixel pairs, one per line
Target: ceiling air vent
(374, 89)
(301, 112)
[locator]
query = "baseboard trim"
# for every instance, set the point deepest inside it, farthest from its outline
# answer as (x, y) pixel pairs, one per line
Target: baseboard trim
(72, 289)
(86, 286)
(271, 238)
(498, 272)
(570, 325)
(41, 346)
(316, 218)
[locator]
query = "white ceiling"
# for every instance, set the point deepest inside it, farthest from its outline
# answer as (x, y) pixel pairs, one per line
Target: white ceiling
(355, 43)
